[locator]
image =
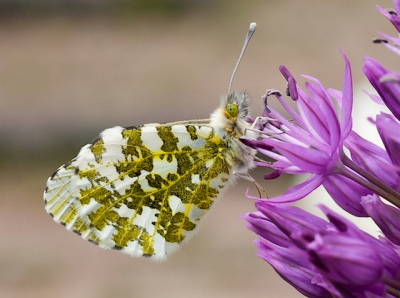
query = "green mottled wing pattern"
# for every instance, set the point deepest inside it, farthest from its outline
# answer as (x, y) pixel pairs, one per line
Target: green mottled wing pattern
(142, 190)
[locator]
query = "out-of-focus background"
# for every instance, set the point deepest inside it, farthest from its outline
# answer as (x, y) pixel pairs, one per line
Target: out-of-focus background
(69, 69)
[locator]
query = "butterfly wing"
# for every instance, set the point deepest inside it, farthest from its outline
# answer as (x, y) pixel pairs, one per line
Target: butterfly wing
(141, 190)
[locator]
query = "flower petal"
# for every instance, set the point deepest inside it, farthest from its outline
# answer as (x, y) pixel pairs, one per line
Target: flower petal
(307, 159)
(345, 259)
(393, 18)
(347, 99)
(385, 216)
(346, 193)
(372, 158)
(292, 265)
(389, 130)
(258, 223)
(291, 219)
(296, 192)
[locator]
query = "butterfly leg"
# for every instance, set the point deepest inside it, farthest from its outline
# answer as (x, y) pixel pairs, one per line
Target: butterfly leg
(260, 120)
(246, 176)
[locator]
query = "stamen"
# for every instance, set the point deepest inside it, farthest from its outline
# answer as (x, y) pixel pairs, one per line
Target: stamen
(264, 98)
(379, 40)
(291, 86)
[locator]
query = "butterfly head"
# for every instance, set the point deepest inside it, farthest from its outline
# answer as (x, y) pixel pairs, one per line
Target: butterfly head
(236, 105)
(231, 115)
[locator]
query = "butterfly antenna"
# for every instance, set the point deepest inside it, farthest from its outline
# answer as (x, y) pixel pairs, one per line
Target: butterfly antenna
(246, 41)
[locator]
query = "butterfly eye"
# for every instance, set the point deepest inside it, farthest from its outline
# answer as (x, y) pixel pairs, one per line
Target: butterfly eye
(232, 109)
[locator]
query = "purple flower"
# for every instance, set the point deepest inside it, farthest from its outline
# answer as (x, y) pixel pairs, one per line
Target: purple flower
(313, 142)
(334, 257)
(319, 257)
(290, 262)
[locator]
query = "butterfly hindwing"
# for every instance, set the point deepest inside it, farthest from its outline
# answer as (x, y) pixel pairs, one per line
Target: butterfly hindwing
(142, 189)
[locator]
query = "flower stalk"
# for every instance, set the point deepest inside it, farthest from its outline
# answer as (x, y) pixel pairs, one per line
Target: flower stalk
(375, 184)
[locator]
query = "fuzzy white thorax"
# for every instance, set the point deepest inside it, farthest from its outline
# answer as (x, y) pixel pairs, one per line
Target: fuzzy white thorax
(238, 156)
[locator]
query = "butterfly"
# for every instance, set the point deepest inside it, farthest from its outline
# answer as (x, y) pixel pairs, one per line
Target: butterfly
(144, 189)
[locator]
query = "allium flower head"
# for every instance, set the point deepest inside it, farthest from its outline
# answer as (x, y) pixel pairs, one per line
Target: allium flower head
(333, 258)
(319, 257)
(313, 142)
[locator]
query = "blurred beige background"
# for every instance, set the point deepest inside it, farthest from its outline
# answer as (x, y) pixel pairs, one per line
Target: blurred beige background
(71, 69)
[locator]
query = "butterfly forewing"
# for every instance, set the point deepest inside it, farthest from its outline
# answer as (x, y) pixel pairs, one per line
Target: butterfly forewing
(143, 189)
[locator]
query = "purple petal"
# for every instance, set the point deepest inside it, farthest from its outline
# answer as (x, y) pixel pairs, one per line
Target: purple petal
(336, 95)
(376, 290)
(347, 99)
(293, 266)
(296, 192)
(292, 86)
(385, 216)
(346, 193)
(392, 48)
(385, 42)
(390, 77)
(273, 175)
(394, 19)
(375, 98)
(386, 251)
(258, 223)
(396, 4)
(290, 111)
(345, 259)
(372, 158)
(389, 91)
(389, 130)
(318, 114)
(291, 219)
(342, 224)
(390, 254)
(390, 258)
(327, 111)
(322, 281)
(307, 159)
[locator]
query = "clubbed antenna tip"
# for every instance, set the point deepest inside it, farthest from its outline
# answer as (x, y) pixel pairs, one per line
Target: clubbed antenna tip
(250, 33)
